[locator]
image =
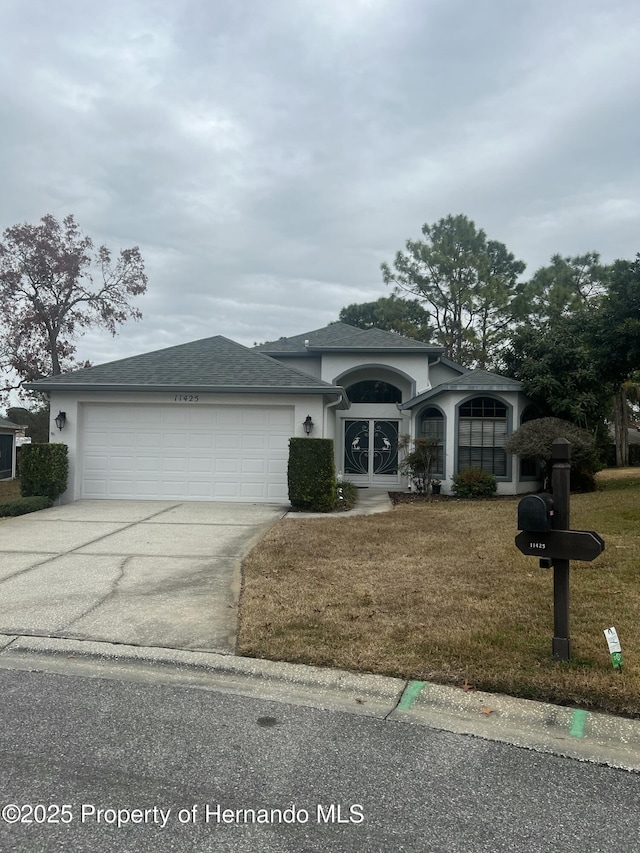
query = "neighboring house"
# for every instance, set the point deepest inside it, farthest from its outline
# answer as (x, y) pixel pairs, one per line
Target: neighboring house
(211, 420)
(8, 431)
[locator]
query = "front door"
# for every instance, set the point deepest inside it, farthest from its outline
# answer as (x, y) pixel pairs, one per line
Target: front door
(371, 451)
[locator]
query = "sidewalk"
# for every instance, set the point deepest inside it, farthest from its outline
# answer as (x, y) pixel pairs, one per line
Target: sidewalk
(370, 501)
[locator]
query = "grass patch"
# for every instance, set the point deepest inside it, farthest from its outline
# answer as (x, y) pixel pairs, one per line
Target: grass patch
(438, 592)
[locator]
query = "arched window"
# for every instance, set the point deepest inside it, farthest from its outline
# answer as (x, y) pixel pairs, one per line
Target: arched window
(374, 391)
(482, 430)
(432, 426)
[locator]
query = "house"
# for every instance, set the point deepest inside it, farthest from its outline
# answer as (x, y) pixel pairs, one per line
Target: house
(8, 432)
(211, 419)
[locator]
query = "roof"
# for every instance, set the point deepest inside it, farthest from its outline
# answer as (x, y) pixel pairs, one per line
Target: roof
(473, 380)
(7, 424)
(210, 364)
(339, 337)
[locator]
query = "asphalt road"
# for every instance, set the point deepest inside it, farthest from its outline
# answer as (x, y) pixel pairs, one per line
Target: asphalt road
(177, 758)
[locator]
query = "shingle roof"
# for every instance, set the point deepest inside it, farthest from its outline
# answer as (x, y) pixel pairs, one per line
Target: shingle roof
(473, 380)
(209, 364)
(341, 336)
(6, 424)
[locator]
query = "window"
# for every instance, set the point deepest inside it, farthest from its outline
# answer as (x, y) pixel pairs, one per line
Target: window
(482, 430)
(432, 426)
(374, 391)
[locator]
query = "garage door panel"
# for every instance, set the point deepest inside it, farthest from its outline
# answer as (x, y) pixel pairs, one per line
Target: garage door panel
(185, 452)
(227, 441)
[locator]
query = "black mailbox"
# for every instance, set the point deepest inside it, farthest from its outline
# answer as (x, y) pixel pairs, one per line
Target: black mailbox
(534, 513)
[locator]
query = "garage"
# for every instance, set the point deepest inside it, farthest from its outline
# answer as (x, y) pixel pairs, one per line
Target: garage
(185, 452)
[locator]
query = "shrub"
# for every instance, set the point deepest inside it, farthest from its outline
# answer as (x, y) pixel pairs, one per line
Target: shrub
(44, 469)
(474, 483)
(21, 506)
(420, 455)
(534, 440)
(347, 496)
(311, 474)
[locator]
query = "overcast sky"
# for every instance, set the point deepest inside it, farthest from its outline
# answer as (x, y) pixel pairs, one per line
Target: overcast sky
(268, 155)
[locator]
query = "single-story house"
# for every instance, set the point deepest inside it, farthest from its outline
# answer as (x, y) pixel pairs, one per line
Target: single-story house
(8, 432)
(211, 419)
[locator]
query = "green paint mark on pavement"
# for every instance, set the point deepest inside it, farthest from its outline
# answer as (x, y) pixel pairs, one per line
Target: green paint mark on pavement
(410, 695)
(578, 721)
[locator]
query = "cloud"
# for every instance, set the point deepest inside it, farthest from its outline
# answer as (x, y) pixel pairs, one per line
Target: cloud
(267, 157)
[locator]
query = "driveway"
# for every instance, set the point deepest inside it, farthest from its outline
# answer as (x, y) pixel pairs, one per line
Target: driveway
(149, 573)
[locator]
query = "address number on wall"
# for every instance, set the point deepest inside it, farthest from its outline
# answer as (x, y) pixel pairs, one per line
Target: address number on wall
(186, 398)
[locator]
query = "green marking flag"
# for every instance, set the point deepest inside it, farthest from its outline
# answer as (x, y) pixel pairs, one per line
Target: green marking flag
(615, 649)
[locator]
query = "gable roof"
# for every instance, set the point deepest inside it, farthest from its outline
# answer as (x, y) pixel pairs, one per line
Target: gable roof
(211, 364)
(472, 380)
(7, 424)
(340, 337)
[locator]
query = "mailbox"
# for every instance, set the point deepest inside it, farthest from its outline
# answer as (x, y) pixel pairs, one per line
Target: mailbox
(534, 513)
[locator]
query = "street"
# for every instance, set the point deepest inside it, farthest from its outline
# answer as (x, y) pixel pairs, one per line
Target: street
(101, 764)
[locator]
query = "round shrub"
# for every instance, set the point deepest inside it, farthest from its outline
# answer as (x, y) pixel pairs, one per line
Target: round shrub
(474, 483)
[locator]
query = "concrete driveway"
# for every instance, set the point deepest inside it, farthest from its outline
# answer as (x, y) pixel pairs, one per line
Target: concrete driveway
(150, 573)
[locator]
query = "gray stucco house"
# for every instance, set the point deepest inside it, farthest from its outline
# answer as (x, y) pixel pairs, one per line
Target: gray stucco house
(211, 419)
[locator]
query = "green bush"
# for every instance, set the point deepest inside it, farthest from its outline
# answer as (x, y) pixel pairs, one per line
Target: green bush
(44, 469)
(347, 496)
(474, 483)
(311, 474)
(21, 506)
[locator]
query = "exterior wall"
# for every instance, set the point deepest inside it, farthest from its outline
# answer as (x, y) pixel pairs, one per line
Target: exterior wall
(72, 405)
(307, 364)
(448, 402)
(440, 373)
(414, 367)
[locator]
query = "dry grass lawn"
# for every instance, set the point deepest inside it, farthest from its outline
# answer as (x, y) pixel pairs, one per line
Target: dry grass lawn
(439, 592)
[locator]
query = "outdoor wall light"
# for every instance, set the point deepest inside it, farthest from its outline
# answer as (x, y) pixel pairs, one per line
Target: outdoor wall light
(61, 420)
(308, 425)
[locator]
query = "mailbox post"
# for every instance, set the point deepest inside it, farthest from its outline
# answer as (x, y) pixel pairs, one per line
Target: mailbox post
(544, 524)
(560, 486)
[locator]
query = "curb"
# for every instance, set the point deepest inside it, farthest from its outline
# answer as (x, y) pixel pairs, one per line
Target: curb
(572, 733)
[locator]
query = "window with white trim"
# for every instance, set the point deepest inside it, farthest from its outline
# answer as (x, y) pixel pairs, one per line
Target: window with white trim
(482, 431)
(432, 426)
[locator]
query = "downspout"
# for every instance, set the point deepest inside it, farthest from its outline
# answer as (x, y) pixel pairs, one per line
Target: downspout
(325, 425)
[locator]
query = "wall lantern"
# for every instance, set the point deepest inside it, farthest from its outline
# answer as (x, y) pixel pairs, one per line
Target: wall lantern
(308, 425)
(61, 420)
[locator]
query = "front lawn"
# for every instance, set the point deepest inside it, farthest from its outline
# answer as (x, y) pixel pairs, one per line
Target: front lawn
(438, 592)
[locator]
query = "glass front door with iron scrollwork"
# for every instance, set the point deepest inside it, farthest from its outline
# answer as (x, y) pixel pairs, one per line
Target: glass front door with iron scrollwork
(371, 451)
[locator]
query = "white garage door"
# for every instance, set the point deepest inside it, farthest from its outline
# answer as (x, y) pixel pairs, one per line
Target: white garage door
(185, 452)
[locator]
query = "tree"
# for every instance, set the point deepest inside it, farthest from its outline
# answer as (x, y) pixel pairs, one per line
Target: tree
(561, 289)
(534, 440)
(36, 421)
(467, 283)
(53, 286)
(404, 316)
(616, 346)
(556, 364)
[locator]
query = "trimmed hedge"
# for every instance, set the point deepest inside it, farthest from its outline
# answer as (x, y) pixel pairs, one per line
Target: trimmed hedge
(44, 469)
(21, 506)
(474, 483)
(311, 474)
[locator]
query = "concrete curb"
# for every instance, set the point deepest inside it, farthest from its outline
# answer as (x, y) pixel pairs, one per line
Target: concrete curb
(572, 733)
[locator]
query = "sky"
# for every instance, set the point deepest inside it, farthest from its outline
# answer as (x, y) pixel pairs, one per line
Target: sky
(267, 155)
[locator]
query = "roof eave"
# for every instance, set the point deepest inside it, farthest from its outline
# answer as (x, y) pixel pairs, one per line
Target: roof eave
(183, 388)
(458, 386)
